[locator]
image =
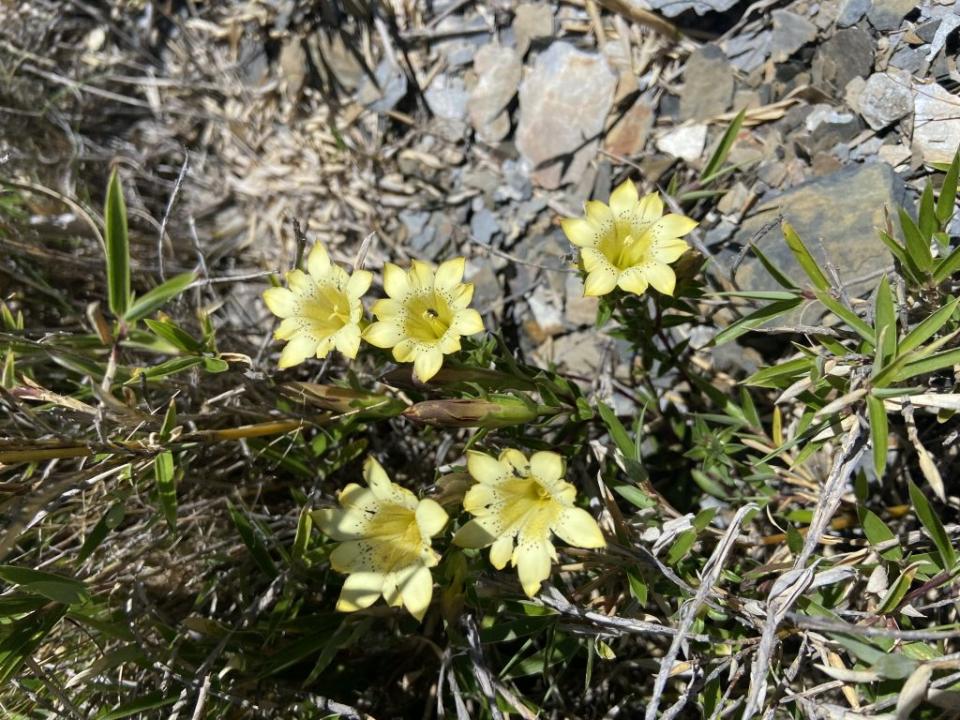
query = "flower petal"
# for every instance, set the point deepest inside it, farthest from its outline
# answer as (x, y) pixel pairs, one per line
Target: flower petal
(592, 259)
(461, 296)
(280, 301)
(600, 282)
(661, 277)
(479, 497)
(387, 308)
(360, 590)
(450, 273)
(421, 274)
(340, 524)
(474, 535)
(578, 528)
(288, 328)
(417, 591)
(668, 251)
(515, 460)
(501, 551)
(318, 261)
(650, 208)
(383, 334)
(581, 232)
(405, 350)
(297, 350)
(352, 556)
(600, 215)
(450, 343)
(671, 226)
(485, 469)
(533, 565)
(347, 340)
(299, 282)
(634, 281)
(546, 466)
(468, 322)
(395, 281)
(431, 518)
(427, 364)
(324, 347)
(359, 283)
(624, 198)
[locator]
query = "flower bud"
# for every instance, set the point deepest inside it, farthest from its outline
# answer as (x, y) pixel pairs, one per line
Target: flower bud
(493, 411)
(343, 400)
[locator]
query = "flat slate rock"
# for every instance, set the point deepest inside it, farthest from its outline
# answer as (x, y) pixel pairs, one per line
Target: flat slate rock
(837, 216)
(708, 84)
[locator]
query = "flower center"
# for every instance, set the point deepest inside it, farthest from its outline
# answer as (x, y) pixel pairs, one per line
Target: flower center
(626, 246)
(327, 309)
(428, 317)
(397, 536)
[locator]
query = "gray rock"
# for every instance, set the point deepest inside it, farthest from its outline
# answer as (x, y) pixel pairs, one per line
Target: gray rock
(483, 225)
(498, 74)
(447, 97)
(908, 59)
(564, 102)
(546, 307)
(885, 98)
(790, 33)
(708, 84)
(851, 11)
(888, 14)
(685, 142)
(847, 235)
(672, 8)
(944, 28)
(580, 310)
(846, 55)
(518, 186)
(936, 123)
(531, 21)
(389, 88)
(748, 51)
(828, 126)
(630, 133)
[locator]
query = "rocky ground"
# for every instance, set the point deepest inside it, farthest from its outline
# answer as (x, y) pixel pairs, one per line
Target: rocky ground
(463, 127)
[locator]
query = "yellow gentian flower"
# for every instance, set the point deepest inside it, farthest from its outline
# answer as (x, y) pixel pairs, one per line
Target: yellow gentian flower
(517, 503)
(424, 315)
(320, 310)
(628, 244)
(385, 548)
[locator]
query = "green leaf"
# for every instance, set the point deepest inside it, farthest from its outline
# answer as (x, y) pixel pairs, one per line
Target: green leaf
(948, 193)
(774, 272)
(847, 315)
(110, 520)
(885, 322)
(253, 539)
(928, 327)
(169, 421)
(168, 367)
(810, 266)
(879, 430)
(55, 587)
(175, 335)
(781, 374)
(138, 706)
(117, 244)
(152, 301)
(947, 266)
(723, 149)
(937, 361)
(918, 249)
(23, 636)
(618, 432)
(930, 521)
(755, 319)
(878, 532)
(164, 472)
(215, 365)
(927, 214)
(897, 590)
(900, 253)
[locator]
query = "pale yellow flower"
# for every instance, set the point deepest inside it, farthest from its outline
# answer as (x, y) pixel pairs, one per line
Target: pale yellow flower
(424, 315)
(385, 548)
(628, 244)
(517, 503)
(322, 309)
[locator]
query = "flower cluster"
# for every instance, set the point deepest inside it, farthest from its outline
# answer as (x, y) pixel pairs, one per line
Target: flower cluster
(385, 531)
(629, 243)
(422, 319)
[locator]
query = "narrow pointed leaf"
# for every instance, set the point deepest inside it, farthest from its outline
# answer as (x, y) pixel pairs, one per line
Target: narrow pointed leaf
(152, 301)
(117, 243)
(879, 430)
(931, 522)
(948, 193)
(810, 266)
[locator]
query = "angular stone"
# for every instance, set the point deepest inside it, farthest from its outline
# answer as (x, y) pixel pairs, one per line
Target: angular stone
(888, 14)
(885, 98)
(629, 135)
(564, 102)
(447, 97)
(708, 84)
(790, 33)
(846, 55)
(389, 88)
(936, 123)
(672, 8)
(498, 71)
(851, 11)
(837, 216)
(684, 142)
(580, 310)
(531, 21)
